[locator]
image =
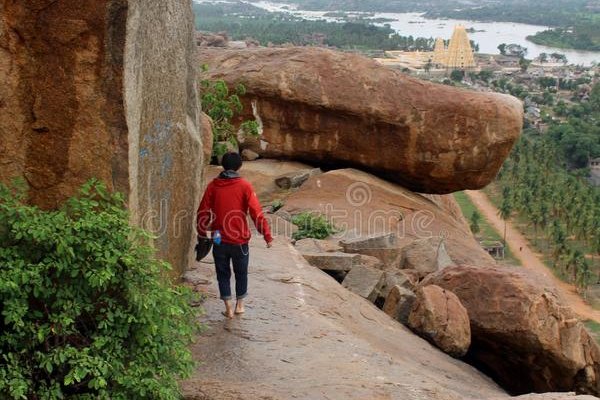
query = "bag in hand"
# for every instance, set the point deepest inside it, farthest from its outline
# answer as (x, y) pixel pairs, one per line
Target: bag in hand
(203, 248)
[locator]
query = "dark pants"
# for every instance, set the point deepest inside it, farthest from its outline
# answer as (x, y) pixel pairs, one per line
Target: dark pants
(238, 255)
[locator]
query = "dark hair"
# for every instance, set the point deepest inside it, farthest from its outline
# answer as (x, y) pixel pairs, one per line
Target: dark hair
(231, 162)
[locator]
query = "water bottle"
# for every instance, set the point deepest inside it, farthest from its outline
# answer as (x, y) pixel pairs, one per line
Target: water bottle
(217, 238)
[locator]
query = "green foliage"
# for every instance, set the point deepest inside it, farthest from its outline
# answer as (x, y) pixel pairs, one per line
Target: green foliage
(475, 221)
(312, 225)
(87, 312)
(276, 206)
(222, 106)
(457, 75)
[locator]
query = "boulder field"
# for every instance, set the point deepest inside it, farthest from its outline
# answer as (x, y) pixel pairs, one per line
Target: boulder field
(520, 328)
(86, 94)
(343, 110)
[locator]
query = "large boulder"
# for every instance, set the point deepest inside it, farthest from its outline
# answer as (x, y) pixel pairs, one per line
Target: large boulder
(105, 89)
(426, 256)
(385, 247)
(521, 334)
(365, 281)
(339, 109)
(362, 206)
(438, 315)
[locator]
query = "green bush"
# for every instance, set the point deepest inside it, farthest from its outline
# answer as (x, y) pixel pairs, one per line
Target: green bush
(86, 310)
(312, 225)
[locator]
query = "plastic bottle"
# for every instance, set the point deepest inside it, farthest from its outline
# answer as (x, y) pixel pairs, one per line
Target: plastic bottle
(217, 238)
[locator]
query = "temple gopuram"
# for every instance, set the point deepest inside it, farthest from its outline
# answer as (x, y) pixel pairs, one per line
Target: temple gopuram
(457, 55)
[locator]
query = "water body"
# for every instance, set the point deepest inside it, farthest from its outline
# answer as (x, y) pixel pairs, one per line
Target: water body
(488, 34)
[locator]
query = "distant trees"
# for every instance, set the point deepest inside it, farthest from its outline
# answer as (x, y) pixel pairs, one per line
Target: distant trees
(559, 204)
(475, 221)
(241, 22)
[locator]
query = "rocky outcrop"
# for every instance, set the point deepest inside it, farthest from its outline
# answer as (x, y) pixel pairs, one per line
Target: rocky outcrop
(209, 39)
(366, 207)
(521, 334)
(86, 94)
(338, 109)
(438, 315)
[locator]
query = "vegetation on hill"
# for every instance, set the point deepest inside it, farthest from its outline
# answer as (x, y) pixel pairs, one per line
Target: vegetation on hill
(583, 35)
(87, 312)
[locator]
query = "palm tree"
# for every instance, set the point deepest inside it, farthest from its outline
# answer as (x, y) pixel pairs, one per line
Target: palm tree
(506, 208)
(559, 237)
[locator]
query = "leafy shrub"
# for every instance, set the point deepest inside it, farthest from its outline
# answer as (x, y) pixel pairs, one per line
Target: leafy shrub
(222, 106)
(86, 310)
(277, 205)
(312, 225)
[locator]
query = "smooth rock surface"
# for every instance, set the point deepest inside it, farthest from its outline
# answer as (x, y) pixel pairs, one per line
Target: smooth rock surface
(344, 110)
(362, 206)
(438, 316)
(304, 337)
(87, 94)
(521, 333)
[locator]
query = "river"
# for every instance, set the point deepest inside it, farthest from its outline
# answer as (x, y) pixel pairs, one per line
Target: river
(488, 34)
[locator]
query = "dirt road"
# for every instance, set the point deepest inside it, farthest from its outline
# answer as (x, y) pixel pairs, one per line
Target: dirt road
(531, 259)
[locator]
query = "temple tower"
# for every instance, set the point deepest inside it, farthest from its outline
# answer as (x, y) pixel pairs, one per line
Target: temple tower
(460, 53)
(439, 52)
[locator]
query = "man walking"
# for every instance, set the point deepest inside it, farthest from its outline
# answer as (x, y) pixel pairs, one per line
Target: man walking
(223, 210)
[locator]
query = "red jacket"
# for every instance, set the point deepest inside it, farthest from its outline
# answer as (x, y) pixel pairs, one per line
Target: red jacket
(224, 207)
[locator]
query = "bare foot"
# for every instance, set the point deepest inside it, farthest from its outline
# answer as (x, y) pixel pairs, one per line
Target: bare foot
(239, 308)
(227, 314)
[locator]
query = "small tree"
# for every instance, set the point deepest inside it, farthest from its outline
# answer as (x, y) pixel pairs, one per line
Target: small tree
(475, 220)
(87, 312)
(222, 106)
